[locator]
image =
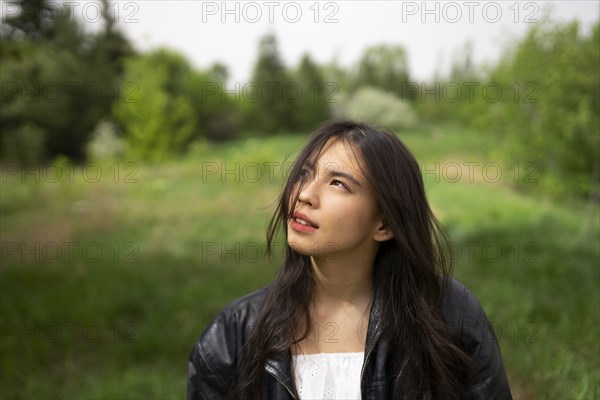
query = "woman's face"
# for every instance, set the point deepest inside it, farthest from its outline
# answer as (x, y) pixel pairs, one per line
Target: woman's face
(336, 212)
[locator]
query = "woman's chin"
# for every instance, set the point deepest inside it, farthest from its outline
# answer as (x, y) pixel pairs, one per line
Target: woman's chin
(298, 246)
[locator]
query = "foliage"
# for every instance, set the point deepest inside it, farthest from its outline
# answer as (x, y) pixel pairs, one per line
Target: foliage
(56, 80)
(540, 101)
(553, 118)
(105, 143)
(35, 21)
(25, 143)
(157, 120)
(384, 67)
(272, 106)
(312, 105)
(340, 76)
(168, 105)
(379, 107)
(218, 113)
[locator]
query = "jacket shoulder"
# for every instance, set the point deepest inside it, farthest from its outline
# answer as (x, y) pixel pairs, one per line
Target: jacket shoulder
(460, 307)
(213, 361)
(236, 318)
(466, 317)
(250, 302)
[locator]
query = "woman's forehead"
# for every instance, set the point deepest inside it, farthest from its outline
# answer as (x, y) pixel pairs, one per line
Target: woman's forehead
(339, 155)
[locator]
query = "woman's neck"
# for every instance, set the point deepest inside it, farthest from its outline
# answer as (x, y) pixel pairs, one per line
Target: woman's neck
(342, 283)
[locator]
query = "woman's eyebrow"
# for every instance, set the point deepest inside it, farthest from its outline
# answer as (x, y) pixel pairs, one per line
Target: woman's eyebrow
(340, 174)
(334, 173)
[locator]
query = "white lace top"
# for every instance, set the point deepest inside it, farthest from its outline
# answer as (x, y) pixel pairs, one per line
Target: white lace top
(328, 375)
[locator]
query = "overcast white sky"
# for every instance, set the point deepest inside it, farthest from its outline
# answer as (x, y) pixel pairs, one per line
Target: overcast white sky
(211, 31)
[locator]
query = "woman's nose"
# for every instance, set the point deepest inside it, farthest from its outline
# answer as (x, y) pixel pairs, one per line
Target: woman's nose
(308, 193)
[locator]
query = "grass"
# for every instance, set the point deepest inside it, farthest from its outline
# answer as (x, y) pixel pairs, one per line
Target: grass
(105, 285)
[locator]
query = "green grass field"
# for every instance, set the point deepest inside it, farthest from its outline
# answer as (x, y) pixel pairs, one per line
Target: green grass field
(109, 273)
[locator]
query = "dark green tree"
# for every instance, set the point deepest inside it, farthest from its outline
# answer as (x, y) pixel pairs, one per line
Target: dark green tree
(338, 75)
(58, 82)
(219, 72)
(384, 67)
(270, 92)
(218, 110)
(34, 21)
(316, 95)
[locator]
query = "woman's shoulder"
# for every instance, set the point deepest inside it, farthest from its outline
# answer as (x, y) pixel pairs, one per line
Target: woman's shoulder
(217, 349)
(214, 358)
(457, 293)
(461, 309)
(239, 313)
(464, 313)
(249, 302)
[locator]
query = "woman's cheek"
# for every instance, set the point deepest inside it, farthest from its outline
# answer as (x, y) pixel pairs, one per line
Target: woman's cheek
(350, 212)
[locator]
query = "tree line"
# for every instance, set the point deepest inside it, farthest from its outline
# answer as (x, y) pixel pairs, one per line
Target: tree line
(72, 93)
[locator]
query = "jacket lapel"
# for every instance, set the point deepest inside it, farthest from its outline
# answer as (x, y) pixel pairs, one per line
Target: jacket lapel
(280, 366)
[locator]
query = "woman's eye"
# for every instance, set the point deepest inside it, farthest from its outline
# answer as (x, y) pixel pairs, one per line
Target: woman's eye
(304, 174)
(341, 184)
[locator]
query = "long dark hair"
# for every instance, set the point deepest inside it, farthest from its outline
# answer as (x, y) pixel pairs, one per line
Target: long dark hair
(410, 274)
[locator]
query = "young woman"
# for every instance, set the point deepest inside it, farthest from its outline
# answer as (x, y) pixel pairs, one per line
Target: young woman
(363, 305)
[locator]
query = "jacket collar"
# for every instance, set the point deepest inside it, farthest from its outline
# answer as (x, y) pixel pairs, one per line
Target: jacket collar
(374, 328)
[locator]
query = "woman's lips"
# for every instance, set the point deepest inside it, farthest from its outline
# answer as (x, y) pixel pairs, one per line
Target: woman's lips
(302, 223)
(297, 226)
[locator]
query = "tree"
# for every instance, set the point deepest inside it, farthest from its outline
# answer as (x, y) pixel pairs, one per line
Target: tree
(271, 91)
(218, 112)
(551, 119)
(35, 21)
(156, 116)
(384, 67)
(57, 80)
(315, 97)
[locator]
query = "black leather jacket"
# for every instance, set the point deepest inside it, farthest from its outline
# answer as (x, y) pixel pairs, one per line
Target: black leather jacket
(213, 360)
